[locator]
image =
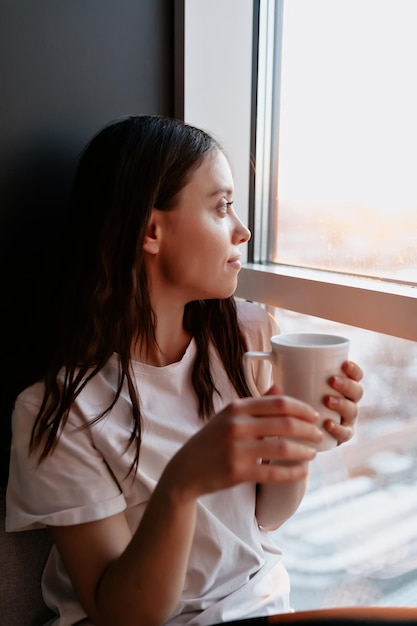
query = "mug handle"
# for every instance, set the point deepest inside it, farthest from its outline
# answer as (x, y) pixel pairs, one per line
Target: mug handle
(246, 369)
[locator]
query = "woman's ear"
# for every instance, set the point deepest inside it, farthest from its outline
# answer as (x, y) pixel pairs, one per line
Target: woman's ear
(151, 240)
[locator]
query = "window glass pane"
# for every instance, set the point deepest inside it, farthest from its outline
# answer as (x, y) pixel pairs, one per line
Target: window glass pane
(354, 538)
(347, 193)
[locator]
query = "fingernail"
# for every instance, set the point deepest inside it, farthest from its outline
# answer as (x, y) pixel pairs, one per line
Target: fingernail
(320, 433)
(332, 402)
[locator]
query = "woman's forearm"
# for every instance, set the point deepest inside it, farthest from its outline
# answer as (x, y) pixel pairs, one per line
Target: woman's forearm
(277, 502)
(144, 585)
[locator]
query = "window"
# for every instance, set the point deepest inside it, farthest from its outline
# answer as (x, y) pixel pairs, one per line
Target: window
(354, 538)
(335, 249)
(348, 137)
(369, 482)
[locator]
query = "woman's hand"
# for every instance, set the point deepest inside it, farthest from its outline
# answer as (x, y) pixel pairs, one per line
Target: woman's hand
(228, 450)
(349, 386)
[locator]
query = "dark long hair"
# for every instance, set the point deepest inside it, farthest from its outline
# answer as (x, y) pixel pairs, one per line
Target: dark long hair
(130, 167)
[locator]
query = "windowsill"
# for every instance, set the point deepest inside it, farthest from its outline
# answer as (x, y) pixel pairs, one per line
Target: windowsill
(381, 306)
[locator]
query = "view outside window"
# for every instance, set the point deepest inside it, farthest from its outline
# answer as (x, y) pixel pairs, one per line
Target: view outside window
(346, 200)
(347, 173)
(354, 538)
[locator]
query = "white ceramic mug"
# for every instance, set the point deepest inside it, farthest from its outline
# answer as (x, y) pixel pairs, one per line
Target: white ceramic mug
(302, 364)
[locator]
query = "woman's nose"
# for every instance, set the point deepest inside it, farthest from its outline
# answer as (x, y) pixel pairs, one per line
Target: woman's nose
(242, 233)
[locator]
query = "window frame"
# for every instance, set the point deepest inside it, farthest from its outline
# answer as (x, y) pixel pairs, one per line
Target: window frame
(383, 306)
(379, 305)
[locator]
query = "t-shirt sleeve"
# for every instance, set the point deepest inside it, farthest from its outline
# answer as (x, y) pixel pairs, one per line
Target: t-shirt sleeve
(258, 326)
(71, 486)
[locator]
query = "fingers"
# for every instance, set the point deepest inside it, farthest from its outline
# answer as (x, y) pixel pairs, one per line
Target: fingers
(270, 417)
(348, 411)
(351, 391)
(281, 472)
(352, 370)
(341, 432)
(275, 406)
(278, 472)
(275, 426)
(280, 449)
(348, 387)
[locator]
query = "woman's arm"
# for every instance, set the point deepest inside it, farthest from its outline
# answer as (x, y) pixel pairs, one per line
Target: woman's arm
(120, 579)
(277, 502)
(127, 580)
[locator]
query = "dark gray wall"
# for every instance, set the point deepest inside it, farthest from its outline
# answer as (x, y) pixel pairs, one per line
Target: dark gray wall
(67, 67)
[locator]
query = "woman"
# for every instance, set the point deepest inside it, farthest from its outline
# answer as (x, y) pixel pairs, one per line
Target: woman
(140, 449)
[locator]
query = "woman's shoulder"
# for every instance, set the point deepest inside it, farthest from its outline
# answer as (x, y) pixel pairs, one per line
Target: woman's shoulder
(257, 325)
(31, 396)
(250, 314)
(95, 393)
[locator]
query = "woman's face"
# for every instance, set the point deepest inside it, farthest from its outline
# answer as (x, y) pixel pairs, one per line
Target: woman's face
(198, 252)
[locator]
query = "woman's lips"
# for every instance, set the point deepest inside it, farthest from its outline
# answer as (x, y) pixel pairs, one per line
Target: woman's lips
(235, 263)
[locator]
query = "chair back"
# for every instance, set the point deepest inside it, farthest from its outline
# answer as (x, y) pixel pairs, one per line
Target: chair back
(22, 559)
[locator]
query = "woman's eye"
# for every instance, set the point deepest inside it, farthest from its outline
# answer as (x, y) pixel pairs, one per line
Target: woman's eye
(224, 208)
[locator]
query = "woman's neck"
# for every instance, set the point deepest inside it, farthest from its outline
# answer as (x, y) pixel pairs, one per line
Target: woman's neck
(172, 340)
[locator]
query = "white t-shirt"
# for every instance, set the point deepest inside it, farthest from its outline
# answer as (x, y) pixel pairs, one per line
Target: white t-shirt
(234, 569)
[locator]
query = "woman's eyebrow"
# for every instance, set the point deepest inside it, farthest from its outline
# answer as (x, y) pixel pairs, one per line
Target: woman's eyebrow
(224, 190)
